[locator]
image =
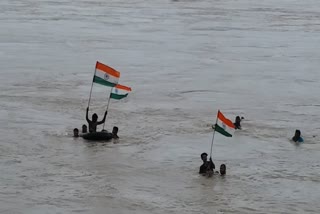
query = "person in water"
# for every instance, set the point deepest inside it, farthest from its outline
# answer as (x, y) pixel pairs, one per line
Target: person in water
(237, 123)
(115, 132)
(84, 129)
(223, 169)
(297, 137)
(94, 122)
(75, 132)
(208, 166)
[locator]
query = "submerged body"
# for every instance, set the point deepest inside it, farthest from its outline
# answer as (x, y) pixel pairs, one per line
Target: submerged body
(84, 129)
(237, 123)
(115, 132)
(75, 132)
(207, 167)
(297, 137)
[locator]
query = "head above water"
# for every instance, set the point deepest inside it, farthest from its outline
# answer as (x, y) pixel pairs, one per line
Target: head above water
(297, 135)
(238, 120)
(223, 169)
(94, 117)
(204, 157)
(115, 130)
(75, 132)
(84, 128)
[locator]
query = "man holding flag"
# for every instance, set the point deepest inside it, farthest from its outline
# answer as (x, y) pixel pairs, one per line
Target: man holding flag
(106, 76)
(103, 75)
(207, 167)
(94, 122)
(225, 127)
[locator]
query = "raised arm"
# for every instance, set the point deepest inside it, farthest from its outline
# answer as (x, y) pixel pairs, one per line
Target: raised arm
(104, 118)
(87, 117)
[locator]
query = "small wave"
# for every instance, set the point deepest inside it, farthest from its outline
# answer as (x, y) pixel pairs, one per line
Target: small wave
(196, 91)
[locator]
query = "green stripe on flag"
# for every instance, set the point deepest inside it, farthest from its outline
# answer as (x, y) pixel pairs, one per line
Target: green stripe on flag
(118, 96)
(103, 82)
(222, 131)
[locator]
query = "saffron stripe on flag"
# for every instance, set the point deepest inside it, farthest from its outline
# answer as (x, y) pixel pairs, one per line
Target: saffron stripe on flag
(107, 69)
(118, 86)
(225, 120)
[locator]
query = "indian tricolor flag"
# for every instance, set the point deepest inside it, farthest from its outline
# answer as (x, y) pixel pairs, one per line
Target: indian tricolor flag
(224, 126)
(106, 75)
(119, 91)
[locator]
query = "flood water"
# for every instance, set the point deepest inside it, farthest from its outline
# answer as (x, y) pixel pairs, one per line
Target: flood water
(184, 60)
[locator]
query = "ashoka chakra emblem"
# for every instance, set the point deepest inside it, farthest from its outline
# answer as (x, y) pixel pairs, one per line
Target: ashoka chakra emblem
(224, 126)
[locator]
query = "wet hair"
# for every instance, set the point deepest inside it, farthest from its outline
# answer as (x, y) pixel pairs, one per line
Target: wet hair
(203, 154)
(298, 132)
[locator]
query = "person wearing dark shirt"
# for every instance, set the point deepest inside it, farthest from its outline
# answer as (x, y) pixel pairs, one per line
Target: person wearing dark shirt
(297, 137)
(94, 122)
(237, 123)
(207, 166)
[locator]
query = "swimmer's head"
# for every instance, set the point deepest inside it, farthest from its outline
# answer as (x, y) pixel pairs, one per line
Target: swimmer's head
(84, 128)
(75, 132)
(115, 130)
(223, 169)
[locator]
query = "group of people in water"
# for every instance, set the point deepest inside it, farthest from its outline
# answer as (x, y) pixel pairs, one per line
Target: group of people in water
(208, 167)
(93, 123)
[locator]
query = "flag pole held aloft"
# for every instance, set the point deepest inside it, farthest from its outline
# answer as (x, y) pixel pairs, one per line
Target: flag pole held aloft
(92, 85)
(118, 92)
(224, 126)
(104, 75)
